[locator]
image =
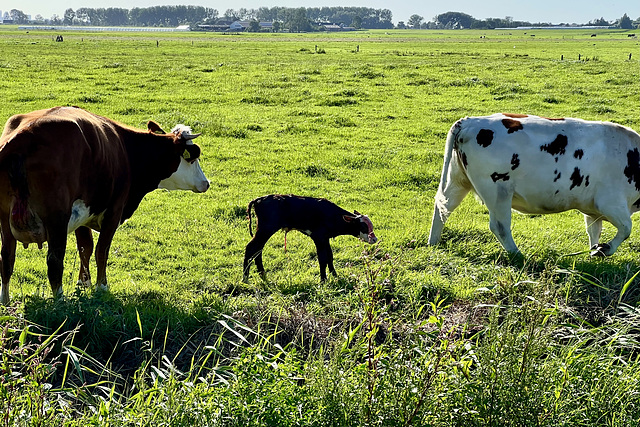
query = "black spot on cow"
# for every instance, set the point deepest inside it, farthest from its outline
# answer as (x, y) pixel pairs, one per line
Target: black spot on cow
(578, 154)
(484, 137)
(576, 178)
(499, 176)
(632, 170)
(515, 161)
(558, 175)
(586, 181)
(557, 191)
(463, 157)
(557, 147)
(512, 125)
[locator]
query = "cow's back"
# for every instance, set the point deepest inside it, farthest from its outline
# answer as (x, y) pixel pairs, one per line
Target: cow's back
(51, 158)
(551, 165)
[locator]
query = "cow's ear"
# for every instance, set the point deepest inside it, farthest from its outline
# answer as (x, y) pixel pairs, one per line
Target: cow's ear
(155, 128)
(348, 218)
(191, 153)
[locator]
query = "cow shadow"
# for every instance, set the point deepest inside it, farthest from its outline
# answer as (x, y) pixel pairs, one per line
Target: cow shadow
(582, 280)
(119, 332)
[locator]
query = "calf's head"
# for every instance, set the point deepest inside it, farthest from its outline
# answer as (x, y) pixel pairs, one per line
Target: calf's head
(364, 227)
(189, 175)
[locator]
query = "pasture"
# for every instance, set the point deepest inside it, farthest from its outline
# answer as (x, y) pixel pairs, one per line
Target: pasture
(458, 334)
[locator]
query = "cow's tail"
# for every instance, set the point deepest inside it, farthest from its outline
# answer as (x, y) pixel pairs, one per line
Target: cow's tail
(17, 175)
(450, 171)
(448, 157)
(25, 223)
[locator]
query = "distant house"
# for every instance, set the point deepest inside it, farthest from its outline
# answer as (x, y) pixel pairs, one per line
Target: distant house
(6, 18)
(336, 27)
(244, 25)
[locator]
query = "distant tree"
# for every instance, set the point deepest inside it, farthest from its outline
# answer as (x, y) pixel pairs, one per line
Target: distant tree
(298, 21)
(18, 16)
(625, 22)
(276, 26)
(39, 19)
(69, 16)
(415, 21)
(254, 26)
(231, 15)
(55, 19)
(600, 23)
(454, 20)
(401, 25)
(356, 22)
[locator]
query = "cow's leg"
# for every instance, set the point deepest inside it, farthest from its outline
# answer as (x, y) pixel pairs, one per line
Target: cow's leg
(107, 231)
(446, 200)
(620, 217)
(7, 259)
(253, 252)
(325, 258)
(57, 238)
(84, 241)
(594, 229)
(498, 200)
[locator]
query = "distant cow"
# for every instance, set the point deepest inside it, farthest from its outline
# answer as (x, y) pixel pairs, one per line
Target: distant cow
(317, 218)
(65, 169)
(537, 165)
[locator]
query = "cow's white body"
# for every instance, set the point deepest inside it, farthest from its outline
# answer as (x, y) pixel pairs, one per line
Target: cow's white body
(537, 166)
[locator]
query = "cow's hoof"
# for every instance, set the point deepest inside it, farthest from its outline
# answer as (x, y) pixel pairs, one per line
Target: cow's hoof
(600, 250)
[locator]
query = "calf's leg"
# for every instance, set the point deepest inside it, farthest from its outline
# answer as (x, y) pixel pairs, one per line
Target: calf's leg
(325, 258)
(253, 252)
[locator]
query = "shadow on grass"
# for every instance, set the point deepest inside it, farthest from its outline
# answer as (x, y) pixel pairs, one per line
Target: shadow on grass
(120, 328)
(584, 281)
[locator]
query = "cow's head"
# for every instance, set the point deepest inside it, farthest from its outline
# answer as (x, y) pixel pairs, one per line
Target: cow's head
(189, 175)
(365, 227)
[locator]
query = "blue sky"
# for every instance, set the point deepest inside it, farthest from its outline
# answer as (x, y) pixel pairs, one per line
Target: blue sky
(553, 11)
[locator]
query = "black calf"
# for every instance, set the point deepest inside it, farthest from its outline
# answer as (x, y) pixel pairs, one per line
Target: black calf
(317, 218)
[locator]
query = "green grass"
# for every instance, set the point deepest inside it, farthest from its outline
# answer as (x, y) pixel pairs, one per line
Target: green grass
(458, 334)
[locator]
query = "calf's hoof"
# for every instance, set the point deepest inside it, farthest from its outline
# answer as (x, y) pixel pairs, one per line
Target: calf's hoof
(600, 250)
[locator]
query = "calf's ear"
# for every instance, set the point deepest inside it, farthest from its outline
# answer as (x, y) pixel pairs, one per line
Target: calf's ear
(155, 128)
(348, 218)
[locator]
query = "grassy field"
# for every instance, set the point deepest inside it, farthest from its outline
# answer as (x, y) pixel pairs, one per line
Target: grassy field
(457, 334)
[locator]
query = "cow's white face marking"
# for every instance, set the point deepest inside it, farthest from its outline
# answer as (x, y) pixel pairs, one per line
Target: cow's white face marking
(80, 216)
(188, 176)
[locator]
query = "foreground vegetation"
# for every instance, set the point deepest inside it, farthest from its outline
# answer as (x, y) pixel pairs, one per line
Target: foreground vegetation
(458, 334)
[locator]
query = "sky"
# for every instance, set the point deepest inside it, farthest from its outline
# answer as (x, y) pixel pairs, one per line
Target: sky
(551, 11)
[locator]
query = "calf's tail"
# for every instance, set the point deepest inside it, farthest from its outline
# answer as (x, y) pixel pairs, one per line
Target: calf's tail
(251, 203)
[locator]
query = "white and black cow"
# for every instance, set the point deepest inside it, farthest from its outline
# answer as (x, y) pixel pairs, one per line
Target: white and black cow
(537, 165)
(65, 169)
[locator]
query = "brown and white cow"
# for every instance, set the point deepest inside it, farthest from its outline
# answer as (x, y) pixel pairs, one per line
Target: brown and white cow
(537, 165)
(65, 169)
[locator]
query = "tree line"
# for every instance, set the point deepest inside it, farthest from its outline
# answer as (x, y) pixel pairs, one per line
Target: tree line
(294, 19)
(455, 20)
(284, 18)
